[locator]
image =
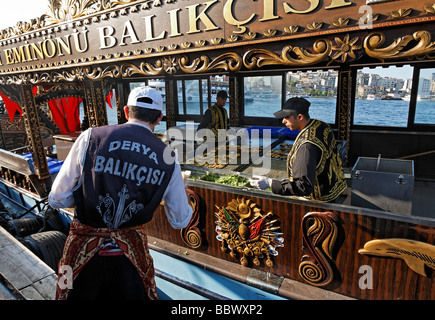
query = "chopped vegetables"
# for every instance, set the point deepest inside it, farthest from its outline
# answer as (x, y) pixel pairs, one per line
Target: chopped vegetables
(232, 180)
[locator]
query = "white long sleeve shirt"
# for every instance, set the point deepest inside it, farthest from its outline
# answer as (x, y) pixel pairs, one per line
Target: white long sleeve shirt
(69, 179)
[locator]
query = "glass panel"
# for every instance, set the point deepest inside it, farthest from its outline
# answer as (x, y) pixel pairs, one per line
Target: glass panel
(262, 95)
(112, 111)
(382, 96)
(136, 84)
(205, 102)
(425, 108)
(180, 96)
(159, 85)
(319, 88)
(192, 97)
(218, 83)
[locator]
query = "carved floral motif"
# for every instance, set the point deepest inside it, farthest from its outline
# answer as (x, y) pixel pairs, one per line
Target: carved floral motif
(345, 48)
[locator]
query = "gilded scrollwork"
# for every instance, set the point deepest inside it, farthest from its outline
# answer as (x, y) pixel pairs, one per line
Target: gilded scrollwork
(399, 49)
(229, 61)
(290, 56)
(191, 235)
(145, 68)
(64, 10)
(320, 232)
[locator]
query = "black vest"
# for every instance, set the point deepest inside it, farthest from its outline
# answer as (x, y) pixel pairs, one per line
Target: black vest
(330, 181)
(124, 177)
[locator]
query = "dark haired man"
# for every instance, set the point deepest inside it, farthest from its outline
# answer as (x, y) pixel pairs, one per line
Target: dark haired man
(116, 177)
(313, 163)
(216, 117)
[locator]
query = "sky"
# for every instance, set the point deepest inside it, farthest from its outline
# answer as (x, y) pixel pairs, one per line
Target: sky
(12, 11)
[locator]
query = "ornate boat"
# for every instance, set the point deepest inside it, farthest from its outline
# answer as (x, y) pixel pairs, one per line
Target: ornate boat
(246, 243)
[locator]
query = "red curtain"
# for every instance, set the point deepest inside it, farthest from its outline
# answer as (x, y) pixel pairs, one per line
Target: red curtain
(11, 106)
(65, 113)
(109, 99)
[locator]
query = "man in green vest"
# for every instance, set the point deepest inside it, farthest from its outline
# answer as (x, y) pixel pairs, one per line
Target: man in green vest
(216, 117)
(313, 164)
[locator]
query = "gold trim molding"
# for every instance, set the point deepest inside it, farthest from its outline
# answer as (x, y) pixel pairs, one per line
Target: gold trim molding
(401, 48)
(418, 46)
(290, 56)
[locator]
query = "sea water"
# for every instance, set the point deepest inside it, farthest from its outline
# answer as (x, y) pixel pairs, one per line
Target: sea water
(389, 113)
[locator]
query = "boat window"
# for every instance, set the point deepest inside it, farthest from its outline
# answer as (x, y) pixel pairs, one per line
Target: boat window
(425, 107)
(159, 85)
(136, 84)
(392, 85)
(319, 87)
(195, 96)
(262, 95)
(112, 109)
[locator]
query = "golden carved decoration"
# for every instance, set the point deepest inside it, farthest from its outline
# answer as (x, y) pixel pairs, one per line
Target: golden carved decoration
(401, 13)
(244, 208)
(247, 232)
(290, 56)
(419, 256)
(200, 43)
(314, 26)
(291, 29)
(65, 10)
(216, 41)
(186, 45)
(191, 235)
(250, 35)
(270, 32)
(145, 68)
(345, 48)
(170, 65)
(320, 233)
(340, 22)
(232, 38)
(160, 49)
(369, 18)
(227, 61)
(373, 46)
(430, 9)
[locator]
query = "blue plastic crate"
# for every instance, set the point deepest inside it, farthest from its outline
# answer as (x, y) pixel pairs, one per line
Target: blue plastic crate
(54, 165)
(286, 132)
(275, 132)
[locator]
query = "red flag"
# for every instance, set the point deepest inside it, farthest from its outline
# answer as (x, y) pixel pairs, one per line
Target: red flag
(11, 106)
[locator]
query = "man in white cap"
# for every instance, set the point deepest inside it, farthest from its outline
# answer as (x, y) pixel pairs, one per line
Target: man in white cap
(116, 176)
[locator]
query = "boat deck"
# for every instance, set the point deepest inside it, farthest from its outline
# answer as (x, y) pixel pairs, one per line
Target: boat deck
(23, 274)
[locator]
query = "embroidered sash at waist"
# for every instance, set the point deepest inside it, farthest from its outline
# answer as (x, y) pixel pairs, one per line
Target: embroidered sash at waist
(84, 242)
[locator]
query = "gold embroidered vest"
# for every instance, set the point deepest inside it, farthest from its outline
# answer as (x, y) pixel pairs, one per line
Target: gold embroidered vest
(330, 181)
(219, 119)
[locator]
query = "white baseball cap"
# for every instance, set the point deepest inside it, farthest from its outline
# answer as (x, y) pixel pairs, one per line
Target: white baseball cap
(145, 97)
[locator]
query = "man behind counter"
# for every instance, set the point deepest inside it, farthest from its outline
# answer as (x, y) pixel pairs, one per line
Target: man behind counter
(313, 164)
(216, 117)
